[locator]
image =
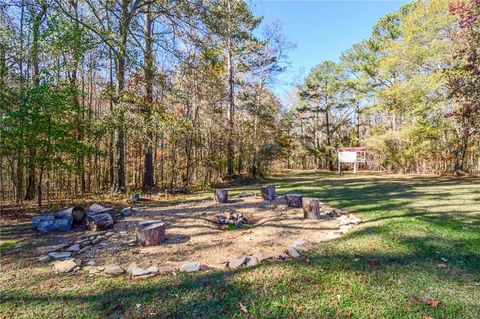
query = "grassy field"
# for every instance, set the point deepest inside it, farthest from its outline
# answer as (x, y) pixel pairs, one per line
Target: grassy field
(419, 244)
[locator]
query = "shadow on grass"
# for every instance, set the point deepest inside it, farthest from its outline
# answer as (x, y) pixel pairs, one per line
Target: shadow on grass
(410, 228)
(217, 294)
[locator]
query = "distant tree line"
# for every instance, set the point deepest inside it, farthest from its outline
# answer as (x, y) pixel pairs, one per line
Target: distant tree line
(410, 93)
(108, 95)
(100, 96)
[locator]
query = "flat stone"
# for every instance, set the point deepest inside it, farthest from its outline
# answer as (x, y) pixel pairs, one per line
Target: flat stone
(333, 235)
(302, 246)
(113, 270)
(152, 269)
(346, 228)
(73, 248)
(55, 248)
(98, 239)
(349, 220)
(292, 251)
(93, 269)
(137, 271)
(166, 269)
(44, 258)
(84, 249)
(190, 266)
(64, 265)
(83, 241)
(109, 233)
(60, 255)
(131, 267)
(442, 266)
(262, 255)
(252, 261)
(237, 262)
(91, 263)
(127, 211)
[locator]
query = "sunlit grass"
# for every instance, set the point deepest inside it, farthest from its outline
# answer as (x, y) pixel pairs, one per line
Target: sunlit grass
(411, 225)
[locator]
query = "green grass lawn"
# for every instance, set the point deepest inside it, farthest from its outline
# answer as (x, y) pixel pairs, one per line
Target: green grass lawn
(411, 225)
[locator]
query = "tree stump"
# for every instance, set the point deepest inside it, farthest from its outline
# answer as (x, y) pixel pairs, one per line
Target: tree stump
(268, 192)
(150, 233)
(98, 221)
(77, 213)
(311, 208)
(294, 200)
(220, 196)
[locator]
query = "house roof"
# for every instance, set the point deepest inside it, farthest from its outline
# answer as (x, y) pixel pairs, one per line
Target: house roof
(352, 149)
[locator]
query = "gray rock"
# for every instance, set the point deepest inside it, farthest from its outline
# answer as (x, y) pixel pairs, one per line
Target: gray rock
(73, 248)
(55, 248)
(64, 265)
(302, 246)
(113, 270)
(345, 228)
(98, 239)
(137, 271)
(84, 249)
(136, 198)
(292, 251)
(252, 261)
(190, 266)
(60, 255)
(152, 269)
(127, 211)
(237, 262)
(91, 263)
(93, 269)
(44, 258)
(130, 267)
(109, 233)
(262, 255)
(166, 269)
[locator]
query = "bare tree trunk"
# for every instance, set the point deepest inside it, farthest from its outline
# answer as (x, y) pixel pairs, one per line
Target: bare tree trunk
(231, 102)
(329, 140)
(37, 21)
(119, 184)
(148, 174)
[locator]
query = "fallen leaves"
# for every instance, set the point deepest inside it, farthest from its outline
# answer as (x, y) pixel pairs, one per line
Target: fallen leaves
(242, 308)
(427, 301)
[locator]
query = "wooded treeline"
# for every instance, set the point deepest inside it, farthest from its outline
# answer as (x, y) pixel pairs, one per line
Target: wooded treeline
(113, 95)
(108, 95)
(410, 94)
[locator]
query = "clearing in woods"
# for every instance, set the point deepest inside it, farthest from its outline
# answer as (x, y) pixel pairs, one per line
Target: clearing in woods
(417, 254)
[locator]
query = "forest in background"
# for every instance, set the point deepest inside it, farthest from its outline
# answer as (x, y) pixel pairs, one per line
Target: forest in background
(101, 96)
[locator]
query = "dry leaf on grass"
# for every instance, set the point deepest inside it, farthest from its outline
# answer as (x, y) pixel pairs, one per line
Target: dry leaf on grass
(243, 308)
(428, 301)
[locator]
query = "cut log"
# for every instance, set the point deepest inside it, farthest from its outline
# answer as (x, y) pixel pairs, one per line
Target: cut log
(220, 196)
(311, 208)
(268, 192)
(98, 221)
(150, 233)
(294, 200)
(76, 212)
(101, 209)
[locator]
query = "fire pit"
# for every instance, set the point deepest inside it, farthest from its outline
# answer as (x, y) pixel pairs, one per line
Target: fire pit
(233, 218)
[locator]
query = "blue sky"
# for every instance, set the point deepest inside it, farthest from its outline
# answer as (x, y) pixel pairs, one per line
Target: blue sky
(322, 30)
